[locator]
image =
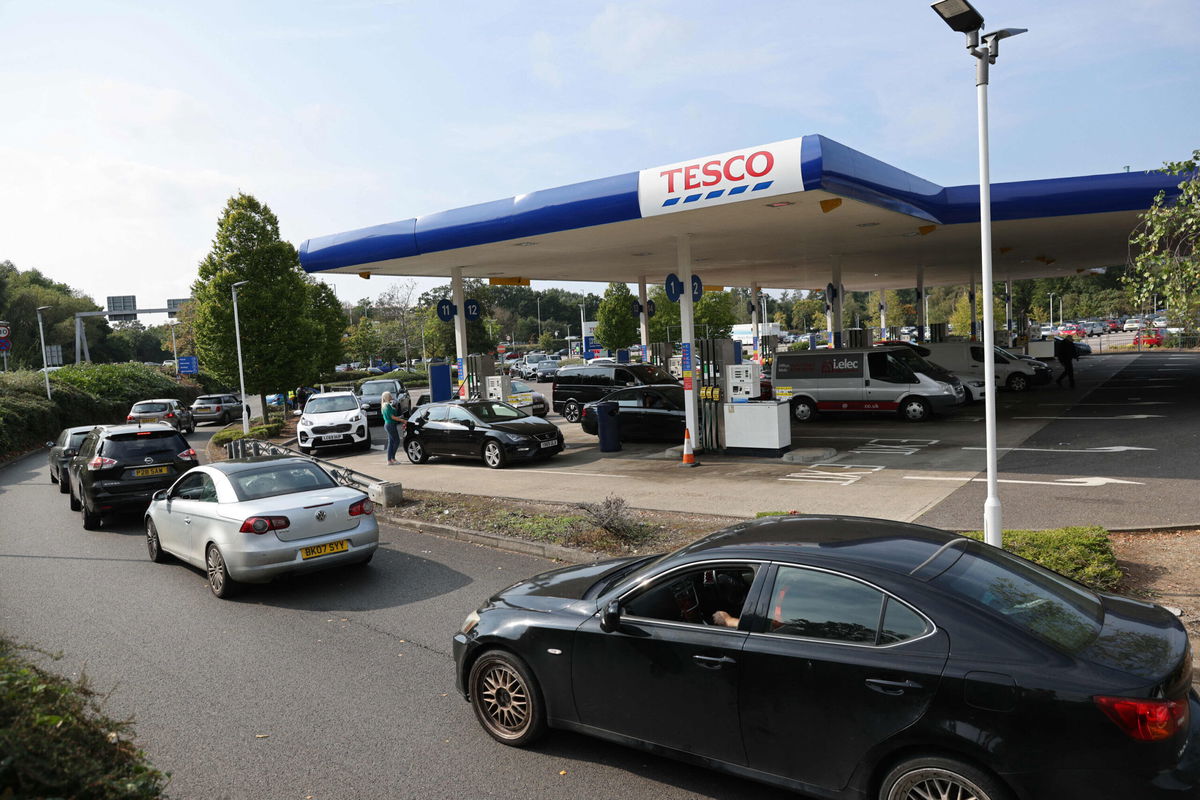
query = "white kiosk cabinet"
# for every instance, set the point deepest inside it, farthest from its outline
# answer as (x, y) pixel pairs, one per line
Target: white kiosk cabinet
(758, 429)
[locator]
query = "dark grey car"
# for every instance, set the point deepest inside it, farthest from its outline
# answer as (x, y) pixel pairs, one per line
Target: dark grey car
(219, 408)
(371, 391)
(62, 450)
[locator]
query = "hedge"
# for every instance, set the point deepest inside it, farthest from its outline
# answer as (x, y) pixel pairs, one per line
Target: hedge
(1083, 554)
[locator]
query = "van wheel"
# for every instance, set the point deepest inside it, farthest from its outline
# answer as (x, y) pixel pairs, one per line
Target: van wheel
(1017, 382)
(803, 410)
(571, 411)
(914, 409)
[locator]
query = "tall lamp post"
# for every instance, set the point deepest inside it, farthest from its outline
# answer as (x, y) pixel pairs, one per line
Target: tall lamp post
(962, 17)
(582, 329)
(237, 332)
(42, 337)
(1051, 308)
(174, 350)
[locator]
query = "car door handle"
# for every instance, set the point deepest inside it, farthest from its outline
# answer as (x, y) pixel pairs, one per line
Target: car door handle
(891, 687)
(713, 662)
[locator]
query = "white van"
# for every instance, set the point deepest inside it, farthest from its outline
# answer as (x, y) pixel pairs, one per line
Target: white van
(965, 359)
(888, 379)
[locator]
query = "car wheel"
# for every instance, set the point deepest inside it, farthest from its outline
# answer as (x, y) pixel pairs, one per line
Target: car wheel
(506, 699)
(932, 776)
(224, 420)
(153, 546)
(494, 455)
(219, 581)
(64, 487)
(91, 519)
(75, 506)
(1017, 382)
(415, 451)
(803, 410)
(53, 477)
(914, 409)
(571, 411)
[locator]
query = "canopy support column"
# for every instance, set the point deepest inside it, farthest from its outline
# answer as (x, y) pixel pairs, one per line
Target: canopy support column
(644, 317)
(687, 335)
(835, 303)
(974, 313)
(921, 305)
(460, 322)
(755, 322)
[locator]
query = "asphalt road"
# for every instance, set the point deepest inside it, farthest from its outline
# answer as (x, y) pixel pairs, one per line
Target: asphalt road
(346, 675)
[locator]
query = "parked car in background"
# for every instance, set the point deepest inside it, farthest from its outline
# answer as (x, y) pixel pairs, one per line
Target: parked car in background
(370, 392)
(119, 467)
(249, 520)
(576, 386)
(546, 369)
(489, 430)
(219, 408)
(62, 450)
(167, 410)
(965, 359)
(1149, 338)
(538, 407)
(526, 367)
(332, 419)
(1133, 324)
(846, 657)
(643, 413)
(1073, 329)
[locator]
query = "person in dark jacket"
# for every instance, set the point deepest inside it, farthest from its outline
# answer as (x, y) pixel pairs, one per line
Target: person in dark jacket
(1064, 351)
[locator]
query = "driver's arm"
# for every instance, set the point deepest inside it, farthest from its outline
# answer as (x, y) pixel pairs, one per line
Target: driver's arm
(728, 620)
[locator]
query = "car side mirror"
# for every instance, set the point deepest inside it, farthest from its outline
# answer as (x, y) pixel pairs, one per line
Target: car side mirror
(70, 451)
(49, 444)
(297, 413)
(610, 618)
(161, 494)
(470, 423)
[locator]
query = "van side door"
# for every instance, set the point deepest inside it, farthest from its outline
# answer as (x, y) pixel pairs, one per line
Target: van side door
(886, 382)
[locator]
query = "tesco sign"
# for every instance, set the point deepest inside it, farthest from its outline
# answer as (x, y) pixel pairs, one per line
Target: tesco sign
(749, 174)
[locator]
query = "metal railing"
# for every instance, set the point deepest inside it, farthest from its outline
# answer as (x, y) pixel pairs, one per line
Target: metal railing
(250, 448)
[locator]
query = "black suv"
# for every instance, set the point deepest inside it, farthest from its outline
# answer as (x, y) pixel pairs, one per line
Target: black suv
(575, 387)
(119, 468)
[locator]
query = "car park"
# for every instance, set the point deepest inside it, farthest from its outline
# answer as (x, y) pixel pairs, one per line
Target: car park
(119, 468)
(846, 657)
(253, 519)
(576, 386)
(219, 408)
(332, 419)
(643, 413)
(62, 450)
(493, 432)
(965, 359)
(164, 409)
(371, 392)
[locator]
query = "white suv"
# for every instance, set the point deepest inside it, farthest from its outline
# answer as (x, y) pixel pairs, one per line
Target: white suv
(332, 419)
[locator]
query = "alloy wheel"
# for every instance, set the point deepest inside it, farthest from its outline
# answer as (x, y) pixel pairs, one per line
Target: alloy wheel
(216, 570)
(936, 784)
(504, 700)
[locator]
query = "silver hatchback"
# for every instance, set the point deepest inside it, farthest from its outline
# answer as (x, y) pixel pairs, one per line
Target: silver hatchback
(250, 520)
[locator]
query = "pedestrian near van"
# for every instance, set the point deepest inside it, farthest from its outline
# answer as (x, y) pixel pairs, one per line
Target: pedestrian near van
(1064, 351)
(391, 424)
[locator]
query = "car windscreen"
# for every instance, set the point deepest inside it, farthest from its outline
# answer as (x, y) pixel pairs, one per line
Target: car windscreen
(1046, 604)
(495, 412)
(917, 364)
(147, 408)
(160, 445)
(517, 386)
(376, 387)
(650, 373)
(208, 400)
(325, 405)
(279, 479)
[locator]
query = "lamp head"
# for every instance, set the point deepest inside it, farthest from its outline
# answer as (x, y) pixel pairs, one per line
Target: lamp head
(44, 308)
(240, 283)
(960, 15)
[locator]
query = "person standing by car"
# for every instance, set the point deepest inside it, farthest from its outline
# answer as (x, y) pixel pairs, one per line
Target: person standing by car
(1064, 351)
(391, 422)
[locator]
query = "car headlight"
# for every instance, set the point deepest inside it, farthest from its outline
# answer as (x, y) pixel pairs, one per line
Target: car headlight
(470, 622)
(516, 437)
(356, 418)
(305, 422)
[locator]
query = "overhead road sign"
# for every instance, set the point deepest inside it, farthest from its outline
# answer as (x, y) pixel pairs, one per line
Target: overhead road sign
(122, 308)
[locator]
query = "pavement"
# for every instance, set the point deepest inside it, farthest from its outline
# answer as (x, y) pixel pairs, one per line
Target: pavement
(1116, 451)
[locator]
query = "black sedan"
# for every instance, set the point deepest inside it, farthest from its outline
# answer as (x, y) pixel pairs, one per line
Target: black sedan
(847, 657)
(62, 450)
(643, 412)
(486, 429)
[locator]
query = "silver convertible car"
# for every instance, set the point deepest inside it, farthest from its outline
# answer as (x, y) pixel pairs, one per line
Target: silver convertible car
(249, 520)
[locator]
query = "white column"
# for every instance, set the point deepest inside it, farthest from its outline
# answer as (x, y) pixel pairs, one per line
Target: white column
(755, 322)
(836, 323)
(882, 314)
(460, 322)
(922, 323)
(687, 336)
(1008, 320)
(644, 317)
(974, 317)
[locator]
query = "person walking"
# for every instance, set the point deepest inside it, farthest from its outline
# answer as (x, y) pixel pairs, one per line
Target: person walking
(391, 424)
(1064, 351)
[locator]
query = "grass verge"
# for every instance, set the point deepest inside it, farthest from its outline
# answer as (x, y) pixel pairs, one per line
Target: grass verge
(1083, 554)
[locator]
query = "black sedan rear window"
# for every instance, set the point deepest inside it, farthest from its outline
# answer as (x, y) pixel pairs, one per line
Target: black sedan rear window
(143, 445)
(281, 479)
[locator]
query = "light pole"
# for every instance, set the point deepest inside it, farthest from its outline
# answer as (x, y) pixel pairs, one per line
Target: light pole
(237, 332)
(174, 350)
(1051, 308)
(963, 18)
(539, 304)
(582, 329)
(42, 336)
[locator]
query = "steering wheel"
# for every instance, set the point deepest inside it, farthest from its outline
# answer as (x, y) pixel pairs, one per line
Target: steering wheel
(688, 601)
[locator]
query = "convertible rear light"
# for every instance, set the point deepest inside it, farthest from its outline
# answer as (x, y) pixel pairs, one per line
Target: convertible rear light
(129, 418)
(100, 462)
(170, 415)
(363, 506)
(264, 524)
(187, 455)
(1146, 720)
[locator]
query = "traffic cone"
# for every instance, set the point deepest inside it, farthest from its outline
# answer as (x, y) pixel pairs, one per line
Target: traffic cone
(689, 455)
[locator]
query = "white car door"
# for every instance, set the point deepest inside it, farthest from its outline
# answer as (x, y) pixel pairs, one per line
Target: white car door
(191, 513)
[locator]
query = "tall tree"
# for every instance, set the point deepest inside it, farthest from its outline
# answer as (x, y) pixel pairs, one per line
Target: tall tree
(616, 325)
(330, 319)
(274, 310)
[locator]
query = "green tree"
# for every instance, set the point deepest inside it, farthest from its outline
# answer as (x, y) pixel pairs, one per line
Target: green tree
(616, 326)
(1163, 255)
(960, 317)
(715, 315)
(326, 311)
(364, 341)
(273, 307)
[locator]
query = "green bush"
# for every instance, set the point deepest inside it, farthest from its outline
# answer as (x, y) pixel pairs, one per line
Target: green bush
(1083, 554)
(28, 419)
(409, 378)
(55, 741)
(124, 383)
(259, 431)
(761, 514)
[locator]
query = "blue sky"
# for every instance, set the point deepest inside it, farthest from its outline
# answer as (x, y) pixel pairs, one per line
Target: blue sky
(128, 124)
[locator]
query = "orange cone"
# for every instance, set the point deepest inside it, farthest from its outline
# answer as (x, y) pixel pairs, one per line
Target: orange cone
(689, 455)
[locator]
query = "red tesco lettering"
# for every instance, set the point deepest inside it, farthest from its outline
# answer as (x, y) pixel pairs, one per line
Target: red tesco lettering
(710, 173)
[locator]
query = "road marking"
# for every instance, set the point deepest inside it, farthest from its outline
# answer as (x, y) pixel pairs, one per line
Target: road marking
(894, 447)
(586, 474)
(1060, 482)
(1124, 416)
(850, 473)
(1127, 403)
(1120, 448)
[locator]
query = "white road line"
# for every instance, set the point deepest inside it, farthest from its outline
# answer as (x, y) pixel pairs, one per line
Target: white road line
(1130, 402)
(586, 474)
(1120, 448)
(1060, 482)
(1085, 419)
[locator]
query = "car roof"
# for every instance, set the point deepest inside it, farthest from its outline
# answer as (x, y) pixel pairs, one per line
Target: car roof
(235, 465)
(346, 393)
(893, 546)
(116, 430)
(82, 428)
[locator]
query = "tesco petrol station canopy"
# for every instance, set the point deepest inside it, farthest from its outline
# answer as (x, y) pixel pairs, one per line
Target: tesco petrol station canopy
(780, 215)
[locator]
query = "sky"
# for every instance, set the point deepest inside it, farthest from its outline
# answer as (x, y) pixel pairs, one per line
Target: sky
(127, 125)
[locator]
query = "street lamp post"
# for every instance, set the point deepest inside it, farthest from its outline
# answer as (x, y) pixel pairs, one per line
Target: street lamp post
(582, 328)
(1051, 308)
(962, 17)
(174, 350)
(42, 337)
(237, 332)
(539, 305)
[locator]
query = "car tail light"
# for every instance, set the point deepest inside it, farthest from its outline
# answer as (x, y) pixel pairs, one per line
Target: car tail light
(129, 418)
(170, 415)
(363, 506)
(187, 455)
(100, 462)
(217, 408)
(264, 524)
(1146, 720)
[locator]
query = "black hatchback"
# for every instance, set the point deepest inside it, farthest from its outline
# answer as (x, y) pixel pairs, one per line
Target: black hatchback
(495, 432)
(120, 467)
(848, 657)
